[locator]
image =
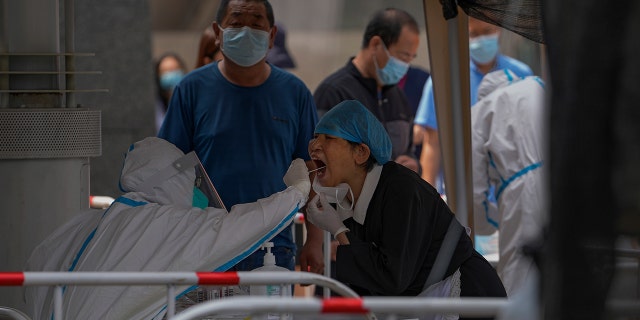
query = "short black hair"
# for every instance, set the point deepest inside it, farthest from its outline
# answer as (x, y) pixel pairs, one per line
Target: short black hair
(224, 5)
(388, 24)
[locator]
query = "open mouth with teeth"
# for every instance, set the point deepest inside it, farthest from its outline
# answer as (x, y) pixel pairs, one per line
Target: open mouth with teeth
(320, 167)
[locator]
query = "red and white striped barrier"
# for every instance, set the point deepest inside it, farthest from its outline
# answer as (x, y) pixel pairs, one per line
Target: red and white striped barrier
(350, 303)
(299, 218)
(170, 279)
(405, 306)
(100, 202)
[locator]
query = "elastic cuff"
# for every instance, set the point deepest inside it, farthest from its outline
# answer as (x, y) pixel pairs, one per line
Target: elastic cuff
(305, 197)
(341, 230)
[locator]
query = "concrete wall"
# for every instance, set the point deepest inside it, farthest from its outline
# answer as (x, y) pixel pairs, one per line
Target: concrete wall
(119, 33)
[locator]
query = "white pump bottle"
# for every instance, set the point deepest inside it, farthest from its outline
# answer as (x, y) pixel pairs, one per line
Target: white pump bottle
(277, 290)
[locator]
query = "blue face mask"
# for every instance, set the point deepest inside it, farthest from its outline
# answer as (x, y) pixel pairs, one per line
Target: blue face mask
(245, 46)
(200, 200)
(170, 80)
(393, 71)
(483, 49)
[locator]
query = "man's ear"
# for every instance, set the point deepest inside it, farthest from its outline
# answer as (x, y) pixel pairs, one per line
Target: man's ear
(218, 33)
(374, 42)
(272, 36)
(362, 153)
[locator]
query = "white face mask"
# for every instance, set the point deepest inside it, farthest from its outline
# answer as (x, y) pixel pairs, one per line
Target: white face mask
(393, 71)
(333, 194)
(245, 46)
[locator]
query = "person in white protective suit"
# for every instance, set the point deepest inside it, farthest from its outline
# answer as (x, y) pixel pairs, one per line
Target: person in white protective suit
(508, 150)
(155, 226)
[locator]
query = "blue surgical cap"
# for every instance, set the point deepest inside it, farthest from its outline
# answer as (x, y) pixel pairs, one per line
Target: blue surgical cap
(350, 120)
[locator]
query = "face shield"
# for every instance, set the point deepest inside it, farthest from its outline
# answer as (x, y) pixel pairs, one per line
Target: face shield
(202, 181)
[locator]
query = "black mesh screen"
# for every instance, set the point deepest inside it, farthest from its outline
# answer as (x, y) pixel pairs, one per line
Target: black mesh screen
(523, 17)
(595, 150)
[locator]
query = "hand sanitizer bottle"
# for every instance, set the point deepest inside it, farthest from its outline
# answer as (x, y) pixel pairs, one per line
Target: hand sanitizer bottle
(272, 290)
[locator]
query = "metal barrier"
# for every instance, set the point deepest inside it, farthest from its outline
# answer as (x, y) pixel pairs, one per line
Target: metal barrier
(170, 279)
(11, 313)
(406, 306)
(633, 254)
(350, 303)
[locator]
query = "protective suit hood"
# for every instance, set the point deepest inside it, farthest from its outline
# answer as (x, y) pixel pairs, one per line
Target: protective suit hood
(495, 80)
(147, 158)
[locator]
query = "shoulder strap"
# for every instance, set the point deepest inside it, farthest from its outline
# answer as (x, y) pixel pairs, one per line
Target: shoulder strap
(444, 254)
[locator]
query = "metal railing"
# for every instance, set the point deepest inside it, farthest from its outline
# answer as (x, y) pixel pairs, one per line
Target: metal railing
(11, 313)
(170, 279)
(405, 306)
(350, 303)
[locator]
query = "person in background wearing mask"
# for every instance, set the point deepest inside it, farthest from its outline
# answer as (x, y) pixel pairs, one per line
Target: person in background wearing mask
(279, 55)
(389, 44)
(484, 57)
(391, 225)
(209, 48)
(170, 69)
(244, 116)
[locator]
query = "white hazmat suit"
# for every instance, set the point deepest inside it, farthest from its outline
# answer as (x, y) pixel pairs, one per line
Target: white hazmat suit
(508, 149)
(155, 230)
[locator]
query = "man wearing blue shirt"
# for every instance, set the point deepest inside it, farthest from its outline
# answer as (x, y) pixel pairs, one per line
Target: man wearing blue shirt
(245, 118)
(484, 58)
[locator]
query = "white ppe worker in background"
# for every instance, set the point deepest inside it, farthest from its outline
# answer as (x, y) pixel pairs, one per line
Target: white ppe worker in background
(156, 227)
(508, 149)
